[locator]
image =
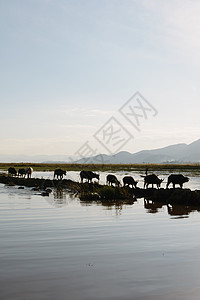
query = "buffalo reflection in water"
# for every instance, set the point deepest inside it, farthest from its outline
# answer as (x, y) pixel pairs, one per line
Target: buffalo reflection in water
(172, 209)
(152, 207)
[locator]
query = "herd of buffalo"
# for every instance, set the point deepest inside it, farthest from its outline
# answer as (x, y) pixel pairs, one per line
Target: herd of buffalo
(111, 179)
(21, 172)
(130, 181)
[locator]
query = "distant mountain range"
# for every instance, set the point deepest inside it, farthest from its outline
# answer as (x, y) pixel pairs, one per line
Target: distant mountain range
(35, 158)
(178, 153)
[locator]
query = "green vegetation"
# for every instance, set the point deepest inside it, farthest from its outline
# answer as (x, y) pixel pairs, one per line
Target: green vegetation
(112, 193)
(95, 192)
(104, 167)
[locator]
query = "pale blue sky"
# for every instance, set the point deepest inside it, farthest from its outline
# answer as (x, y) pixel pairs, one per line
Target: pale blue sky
(68, 66)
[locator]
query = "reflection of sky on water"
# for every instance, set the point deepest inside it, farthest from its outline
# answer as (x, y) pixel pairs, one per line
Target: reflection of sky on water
(61, 198)
(56, 246)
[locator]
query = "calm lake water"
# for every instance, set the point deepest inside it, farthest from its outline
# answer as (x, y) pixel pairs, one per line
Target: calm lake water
(59, 248)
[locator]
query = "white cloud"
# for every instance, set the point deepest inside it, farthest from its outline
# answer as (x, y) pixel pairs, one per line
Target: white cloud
(85, 112)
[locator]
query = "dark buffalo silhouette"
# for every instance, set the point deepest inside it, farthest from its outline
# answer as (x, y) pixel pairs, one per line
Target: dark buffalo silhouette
(112, 179)
(177, 179)
(12, 171)
(179, 210)
(129, 180)
(59, 173)
(88, 175)
(29, 172)
(152, 179)
(21, 172)
(93, 175)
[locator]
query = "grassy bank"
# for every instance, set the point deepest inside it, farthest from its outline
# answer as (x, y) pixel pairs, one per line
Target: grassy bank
(104, 167)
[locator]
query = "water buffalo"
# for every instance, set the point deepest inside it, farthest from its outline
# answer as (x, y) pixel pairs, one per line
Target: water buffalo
(59, 173)
(29, 172)
(12, 171)
(88, 175)
(21, 172)
(177, 179)
(152, 179)
(128, 180)
(110, 179)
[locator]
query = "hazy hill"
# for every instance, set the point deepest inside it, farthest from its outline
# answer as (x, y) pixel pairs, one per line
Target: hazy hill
(34, 158)
(178, 153)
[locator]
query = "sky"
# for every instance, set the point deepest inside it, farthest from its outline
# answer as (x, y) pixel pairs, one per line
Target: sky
(75, 75)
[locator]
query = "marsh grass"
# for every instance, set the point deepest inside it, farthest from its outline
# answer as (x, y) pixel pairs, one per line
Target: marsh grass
(112, 193)
(195, 168)
(104, 192)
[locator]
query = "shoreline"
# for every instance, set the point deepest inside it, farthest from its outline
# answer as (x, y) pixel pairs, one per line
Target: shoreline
(98, 192)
